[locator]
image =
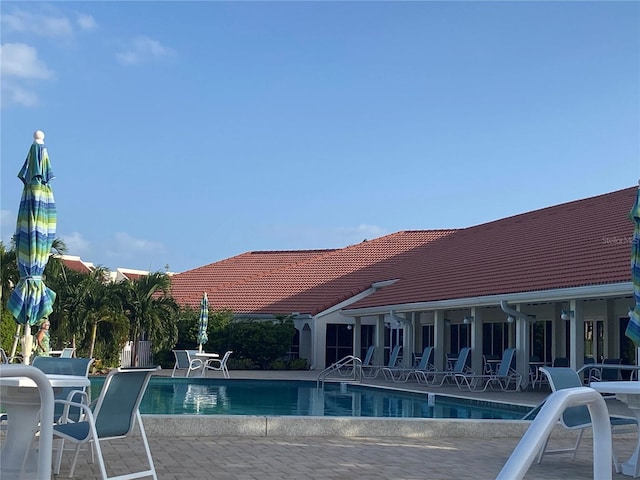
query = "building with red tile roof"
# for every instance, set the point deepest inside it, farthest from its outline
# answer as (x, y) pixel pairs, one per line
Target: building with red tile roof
(447, 288)
(76, 264)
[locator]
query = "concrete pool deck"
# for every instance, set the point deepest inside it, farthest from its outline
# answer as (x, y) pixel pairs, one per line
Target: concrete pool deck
(207, 452)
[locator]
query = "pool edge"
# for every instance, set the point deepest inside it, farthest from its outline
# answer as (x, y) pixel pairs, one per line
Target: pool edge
(295, 426)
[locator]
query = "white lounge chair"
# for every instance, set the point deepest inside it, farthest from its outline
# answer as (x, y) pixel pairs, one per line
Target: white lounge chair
(578, 418)
(219, 365)
(371, 371)
(431, 377)
(402, 374)
(504, 376)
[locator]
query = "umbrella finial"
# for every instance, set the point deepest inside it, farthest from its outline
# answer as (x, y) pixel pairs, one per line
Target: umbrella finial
(38, 137)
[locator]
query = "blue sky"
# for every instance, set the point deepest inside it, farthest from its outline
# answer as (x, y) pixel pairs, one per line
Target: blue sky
(183, 133)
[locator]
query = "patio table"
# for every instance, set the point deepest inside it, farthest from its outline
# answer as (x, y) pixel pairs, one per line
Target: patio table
(21, 398)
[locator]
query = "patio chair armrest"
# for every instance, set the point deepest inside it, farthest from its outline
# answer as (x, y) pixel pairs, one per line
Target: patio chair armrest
(595, 374)
(86, 410)
(84, 397)
(212, 361)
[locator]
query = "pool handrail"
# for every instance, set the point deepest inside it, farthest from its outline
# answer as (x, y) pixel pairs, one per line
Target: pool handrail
(350, 361)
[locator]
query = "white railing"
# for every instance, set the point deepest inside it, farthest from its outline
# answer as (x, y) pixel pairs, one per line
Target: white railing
(144, 354)
(348, 366)
(546, 420)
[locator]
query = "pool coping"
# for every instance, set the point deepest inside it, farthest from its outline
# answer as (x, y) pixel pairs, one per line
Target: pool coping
(297, 426)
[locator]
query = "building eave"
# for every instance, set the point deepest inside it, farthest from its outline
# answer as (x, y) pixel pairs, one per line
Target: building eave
(589, 291)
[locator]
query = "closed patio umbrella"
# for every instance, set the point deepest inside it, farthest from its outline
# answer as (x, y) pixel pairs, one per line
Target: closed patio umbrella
(31, 300)
(633, 329)
(203, 321)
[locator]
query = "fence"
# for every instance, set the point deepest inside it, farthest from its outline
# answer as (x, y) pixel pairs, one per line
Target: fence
(144, 354)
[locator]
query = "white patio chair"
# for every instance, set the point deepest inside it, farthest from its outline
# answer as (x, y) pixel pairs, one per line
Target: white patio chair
(218, 364)
(114, 416)
(185, 362)
(67, 352)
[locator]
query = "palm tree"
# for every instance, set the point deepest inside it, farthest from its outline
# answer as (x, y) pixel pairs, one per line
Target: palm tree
(152, 312)
(8, 271)
(102, 303)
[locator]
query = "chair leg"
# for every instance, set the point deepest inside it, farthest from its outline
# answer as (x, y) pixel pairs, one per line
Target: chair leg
(56, 468)
(75, 460)
(143, 434)
(573, 457)
(542, 450)
(616, 463)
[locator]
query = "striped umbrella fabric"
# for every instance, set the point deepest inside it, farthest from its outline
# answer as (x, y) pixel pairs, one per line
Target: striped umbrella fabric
(31, 300)
(203, 321)
(633, 329)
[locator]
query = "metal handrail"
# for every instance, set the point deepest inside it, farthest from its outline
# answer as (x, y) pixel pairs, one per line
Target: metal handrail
(354, 363)
(536, 435)
(600, 366)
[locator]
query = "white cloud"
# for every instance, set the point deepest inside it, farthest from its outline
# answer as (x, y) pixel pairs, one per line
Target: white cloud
(19, 67)
(21, 60)
(125, 243)
(86, 22)
(76, 244)
(15, 95)
(33, 23)
(143, 49)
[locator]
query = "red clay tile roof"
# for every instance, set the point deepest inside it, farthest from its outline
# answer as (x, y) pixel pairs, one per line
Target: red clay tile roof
(187, 287)
(580, 243)
(76, 265)
(277, 282)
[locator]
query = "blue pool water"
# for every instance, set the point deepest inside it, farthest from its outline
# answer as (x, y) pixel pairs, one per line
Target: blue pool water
(196, 396)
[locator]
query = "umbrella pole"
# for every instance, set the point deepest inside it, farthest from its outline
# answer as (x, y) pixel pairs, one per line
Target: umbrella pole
(27, 345)
(16, 337)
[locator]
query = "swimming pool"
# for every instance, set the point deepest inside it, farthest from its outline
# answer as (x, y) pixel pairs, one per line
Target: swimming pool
(202, 396)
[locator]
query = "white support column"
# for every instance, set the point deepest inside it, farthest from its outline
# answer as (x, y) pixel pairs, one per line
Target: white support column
(320, 344)
(610, 322)
(576, 334)
(408, 340)
(440, 352)
(378, 356)
(477, 362)
(417, 332)
(357, 337)
(523, 329)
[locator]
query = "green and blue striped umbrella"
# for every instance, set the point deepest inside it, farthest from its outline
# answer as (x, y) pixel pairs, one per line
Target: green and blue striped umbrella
(31, 300)
(204, 321)
(633, 329)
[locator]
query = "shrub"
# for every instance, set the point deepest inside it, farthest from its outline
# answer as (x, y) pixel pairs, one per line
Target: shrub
(299, 364)
(278, 365)
(241, 364)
